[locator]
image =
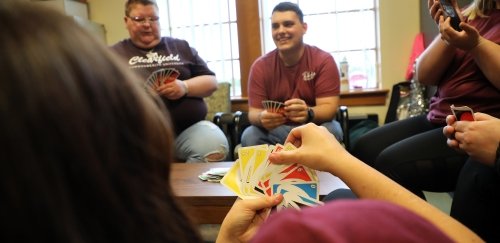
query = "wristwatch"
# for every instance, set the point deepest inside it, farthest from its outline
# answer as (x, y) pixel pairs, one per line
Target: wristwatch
(497, 160)
(310, 115)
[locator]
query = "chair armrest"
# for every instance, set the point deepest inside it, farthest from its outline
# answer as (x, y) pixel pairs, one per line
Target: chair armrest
(241, 122)
(225, 121)
(223, 118)
(343, 118)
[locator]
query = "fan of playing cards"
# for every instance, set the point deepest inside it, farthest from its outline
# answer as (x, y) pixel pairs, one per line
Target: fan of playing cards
(253, 176)
(160, 77)
(273, 106)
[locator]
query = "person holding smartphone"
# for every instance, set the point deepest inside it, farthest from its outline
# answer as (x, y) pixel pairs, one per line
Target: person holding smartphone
(464, 66)
(450, 11)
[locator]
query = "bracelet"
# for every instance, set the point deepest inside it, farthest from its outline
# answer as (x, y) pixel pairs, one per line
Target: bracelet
(186, 88)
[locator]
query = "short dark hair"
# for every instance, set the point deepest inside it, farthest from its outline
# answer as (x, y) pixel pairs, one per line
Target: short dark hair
(288, 6)
(130, 3)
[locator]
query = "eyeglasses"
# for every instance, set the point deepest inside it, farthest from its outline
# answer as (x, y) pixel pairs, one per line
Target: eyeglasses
(143, 20)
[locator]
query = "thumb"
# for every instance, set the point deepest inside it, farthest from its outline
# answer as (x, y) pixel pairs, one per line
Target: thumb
(263, 202)
(481, 116)
(467, 27)
(471, 31)
(282, 157)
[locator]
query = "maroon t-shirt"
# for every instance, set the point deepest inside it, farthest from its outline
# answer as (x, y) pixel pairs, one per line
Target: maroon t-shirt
(170, 53)
(316, 75)
(349, 221)
(464, 83)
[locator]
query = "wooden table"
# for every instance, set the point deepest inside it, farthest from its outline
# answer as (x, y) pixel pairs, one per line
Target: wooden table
(208, 202)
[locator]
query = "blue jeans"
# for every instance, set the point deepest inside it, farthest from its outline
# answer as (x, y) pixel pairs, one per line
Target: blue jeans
(201, 142)
(254, 135)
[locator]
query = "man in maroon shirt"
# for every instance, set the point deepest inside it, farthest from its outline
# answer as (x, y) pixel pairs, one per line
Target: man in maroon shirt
(303, 77)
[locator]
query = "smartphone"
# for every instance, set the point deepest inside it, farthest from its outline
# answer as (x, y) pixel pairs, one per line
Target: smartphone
(462, 113)
(450, 12)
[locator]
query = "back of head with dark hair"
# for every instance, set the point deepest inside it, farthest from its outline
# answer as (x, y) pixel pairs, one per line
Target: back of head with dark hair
(85, 151)
(288, 6)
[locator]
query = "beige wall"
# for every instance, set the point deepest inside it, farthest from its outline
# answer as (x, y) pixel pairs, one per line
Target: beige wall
(399, 24)
(110, 13)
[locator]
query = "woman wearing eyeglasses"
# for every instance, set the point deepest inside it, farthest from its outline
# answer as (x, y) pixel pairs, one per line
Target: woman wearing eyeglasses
(145, 52)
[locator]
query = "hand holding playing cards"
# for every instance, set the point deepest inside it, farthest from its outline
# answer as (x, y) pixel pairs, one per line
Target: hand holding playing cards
(479, 139)
(296, 110)
(245, 217)
(164, 81)
(318, 149)
(315, 148)
(271, 120)
(173, 90)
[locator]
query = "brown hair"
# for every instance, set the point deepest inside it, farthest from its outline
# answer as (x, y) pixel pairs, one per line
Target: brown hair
(85, 151)
(130, 3)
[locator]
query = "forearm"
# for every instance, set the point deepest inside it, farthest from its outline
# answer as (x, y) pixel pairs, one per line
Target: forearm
(201, 86)
(254, 116)
(433, 62)
(486, 54)
(366, 182)
(325, 109)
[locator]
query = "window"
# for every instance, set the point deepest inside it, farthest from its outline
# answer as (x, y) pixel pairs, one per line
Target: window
(346, 29)
(210, 27)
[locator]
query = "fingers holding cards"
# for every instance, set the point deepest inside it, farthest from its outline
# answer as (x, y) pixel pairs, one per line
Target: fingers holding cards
(274, 106)
(161, 77)
(253, 175)
(462, 113)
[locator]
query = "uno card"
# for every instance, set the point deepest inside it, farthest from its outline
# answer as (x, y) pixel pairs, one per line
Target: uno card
(252, 163)
(171, 76)
(295, 194)
(264, 183)
(232, 179)
(273, 106)
(462, 113)
(254, 176)
(297, 173)
(161, 76)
